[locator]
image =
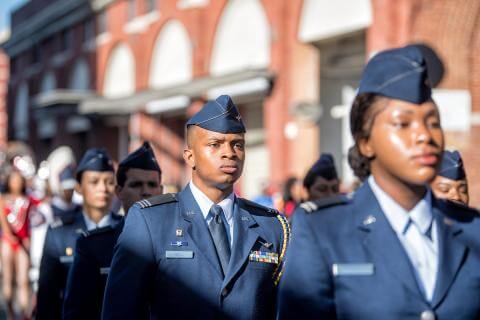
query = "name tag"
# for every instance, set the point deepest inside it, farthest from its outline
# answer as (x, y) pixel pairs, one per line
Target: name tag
(353, 269)
(66, 259)
(105, 270)
(170, 254)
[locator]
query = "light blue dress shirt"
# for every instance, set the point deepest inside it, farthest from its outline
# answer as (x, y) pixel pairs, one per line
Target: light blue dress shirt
(205, 204)
(417, 231)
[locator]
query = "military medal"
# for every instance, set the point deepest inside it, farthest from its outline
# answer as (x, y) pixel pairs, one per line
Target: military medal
(267, 257)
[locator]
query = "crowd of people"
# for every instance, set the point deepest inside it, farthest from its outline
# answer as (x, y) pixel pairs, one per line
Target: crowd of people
(403, 245)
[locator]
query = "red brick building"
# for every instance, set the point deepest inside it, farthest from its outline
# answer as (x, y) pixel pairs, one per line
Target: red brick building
(113, 73)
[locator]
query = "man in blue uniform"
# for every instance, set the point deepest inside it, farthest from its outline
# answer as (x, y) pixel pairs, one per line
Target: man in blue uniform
(96, 183)
(321, 180)
(203, 253)
(138, 177)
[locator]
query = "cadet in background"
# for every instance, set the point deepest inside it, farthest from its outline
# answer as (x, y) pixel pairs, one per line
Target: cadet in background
(96, 183)
(138, 177)
(451, 181)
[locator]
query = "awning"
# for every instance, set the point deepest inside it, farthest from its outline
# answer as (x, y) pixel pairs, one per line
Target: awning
(239, 84)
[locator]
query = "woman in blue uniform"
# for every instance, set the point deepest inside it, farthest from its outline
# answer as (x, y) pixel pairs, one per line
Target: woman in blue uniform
(392, 250)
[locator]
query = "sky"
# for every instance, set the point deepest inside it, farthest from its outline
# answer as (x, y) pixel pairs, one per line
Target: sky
(6, 7)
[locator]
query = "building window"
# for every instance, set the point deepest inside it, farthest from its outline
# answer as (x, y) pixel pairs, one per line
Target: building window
(66, 40)
(150, 5)
(131, 9)
(13, 65)
(36, 54)
(102, 22)
(88, 30)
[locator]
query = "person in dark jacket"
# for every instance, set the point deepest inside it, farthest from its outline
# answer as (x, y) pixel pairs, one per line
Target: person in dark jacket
(138, 177)
(96, 183)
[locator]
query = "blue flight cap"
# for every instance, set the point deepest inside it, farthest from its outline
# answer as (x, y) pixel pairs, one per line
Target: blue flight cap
(95, 159)
(220, 115)
(324, 167)
(452, 166)
(67, 178)
(399, 73)
(142, 158)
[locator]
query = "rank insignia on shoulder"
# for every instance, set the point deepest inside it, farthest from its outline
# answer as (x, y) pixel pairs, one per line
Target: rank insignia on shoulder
(311, 206)
(157, 200)
(105, 270)
(57, 223)
(261, 256)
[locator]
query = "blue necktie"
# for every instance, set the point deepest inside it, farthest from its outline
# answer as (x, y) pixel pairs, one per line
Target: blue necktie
(219, 236)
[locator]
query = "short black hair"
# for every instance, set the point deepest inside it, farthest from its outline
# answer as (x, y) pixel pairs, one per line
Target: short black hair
(122, 175)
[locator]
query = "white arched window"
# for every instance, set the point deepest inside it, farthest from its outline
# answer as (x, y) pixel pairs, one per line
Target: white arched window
(80, 76)
(120, 73)
(172, 57)
(242, 39)
(20, 121)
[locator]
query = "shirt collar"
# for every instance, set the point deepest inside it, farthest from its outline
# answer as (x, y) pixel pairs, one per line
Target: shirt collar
(205, 203)
(104, 222)
(397, 216)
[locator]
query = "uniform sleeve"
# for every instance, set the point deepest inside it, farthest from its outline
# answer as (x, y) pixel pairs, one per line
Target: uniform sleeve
(82, 285)
(132, 272)
(305, 290)
(49, 303)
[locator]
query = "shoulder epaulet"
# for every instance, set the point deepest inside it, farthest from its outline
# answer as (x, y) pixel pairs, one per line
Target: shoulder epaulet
(259, 206)
(56, 223)
(157, 200)
(97, 231)
(286, 239)
(311, 206)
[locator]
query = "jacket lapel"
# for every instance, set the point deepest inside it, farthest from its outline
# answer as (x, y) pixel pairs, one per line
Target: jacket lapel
(451, 255)
(196, 227)
(381, 240)
(244, 237)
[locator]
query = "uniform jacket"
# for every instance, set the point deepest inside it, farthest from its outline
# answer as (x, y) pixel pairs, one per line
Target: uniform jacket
(165, 264)
(346, 262)
(56, 260)
(88, 275)
(58, 254)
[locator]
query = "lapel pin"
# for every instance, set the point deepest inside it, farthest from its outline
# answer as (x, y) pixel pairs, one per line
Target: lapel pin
(448, 221)
(369, 220)
(179, 232)
(190, 213)
(266, 244)
(68, 251)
